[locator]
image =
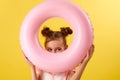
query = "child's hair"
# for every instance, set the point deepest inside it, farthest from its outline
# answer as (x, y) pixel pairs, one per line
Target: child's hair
(52, 35)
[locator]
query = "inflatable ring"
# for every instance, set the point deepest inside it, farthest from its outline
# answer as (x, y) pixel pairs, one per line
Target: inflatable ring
(82, 40)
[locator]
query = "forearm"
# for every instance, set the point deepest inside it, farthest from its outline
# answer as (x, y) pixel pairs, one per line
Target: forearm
(34, 74)
(81, 68)
(79, 72)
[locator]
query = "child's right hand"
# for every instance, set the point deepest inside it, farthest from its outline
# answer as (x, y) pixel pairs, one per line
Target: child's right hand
(27, 60)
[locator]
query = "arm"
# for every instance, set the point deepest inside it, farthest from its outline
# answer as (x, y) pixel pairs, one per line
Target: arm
(34, 74)
(77, 75)
(33, 69)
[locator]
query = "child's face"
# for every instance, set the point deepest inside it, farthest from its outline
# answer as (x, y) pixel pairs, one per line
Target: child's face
(56, 46)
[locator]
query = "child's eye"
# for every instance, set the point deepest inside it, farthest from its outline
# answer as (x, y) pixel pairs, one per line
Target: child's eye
(49, 49)
(58, 49)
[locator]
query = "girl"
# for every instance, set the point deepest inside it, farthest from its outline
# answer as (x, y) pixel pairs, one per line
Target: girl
(56, 42)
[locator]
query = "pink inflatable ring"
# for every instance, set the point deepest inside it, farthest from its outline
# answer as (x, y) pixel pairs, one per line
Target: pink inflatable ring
(82, 40)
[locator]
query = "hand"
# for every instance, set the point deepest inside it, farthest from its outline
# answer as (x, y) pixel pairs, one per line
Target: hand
(83, 64)
(89, 54)
(27, 60)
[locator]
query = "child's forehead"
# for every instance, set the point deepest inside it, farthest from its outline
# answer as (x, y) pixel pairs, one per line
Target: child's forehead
(55, 42)
(55, 39)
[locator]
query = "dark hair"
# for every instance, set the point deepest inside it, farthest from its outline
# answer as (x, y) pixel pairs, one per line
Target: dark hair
(52, 35)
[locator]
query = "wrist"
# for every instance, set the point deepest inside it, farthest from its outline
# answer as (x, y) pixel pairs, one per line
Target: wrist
(85, 61)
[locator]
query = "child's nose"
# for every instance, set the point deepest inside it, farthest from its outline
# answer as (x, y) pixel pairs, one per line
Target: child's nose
(53, 51)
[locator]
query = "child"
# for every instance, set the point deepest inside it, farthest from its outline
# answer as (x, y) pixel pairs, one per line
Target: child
(56, 42)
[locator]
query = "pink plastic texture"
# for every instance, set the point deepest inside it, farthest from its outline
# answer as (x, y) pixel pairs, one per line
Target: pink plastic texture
(82, 40)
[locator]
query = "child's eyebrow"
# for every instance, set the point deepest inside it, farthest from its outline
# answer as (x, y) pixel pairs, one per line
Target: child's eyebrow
(48, 48)
(57, 48)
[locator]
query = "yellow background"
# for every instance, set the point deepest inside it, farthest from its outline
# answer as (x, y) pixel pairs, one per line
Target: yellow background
(105, 17)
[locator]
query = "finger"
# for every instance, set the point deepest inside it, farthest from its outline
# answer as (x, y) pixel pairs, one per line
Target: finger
(91, 50)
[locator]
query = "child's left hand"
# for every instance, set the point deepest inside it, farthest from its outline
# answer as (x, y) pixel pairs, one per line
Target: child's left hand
(89, 54)
(81, 67)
